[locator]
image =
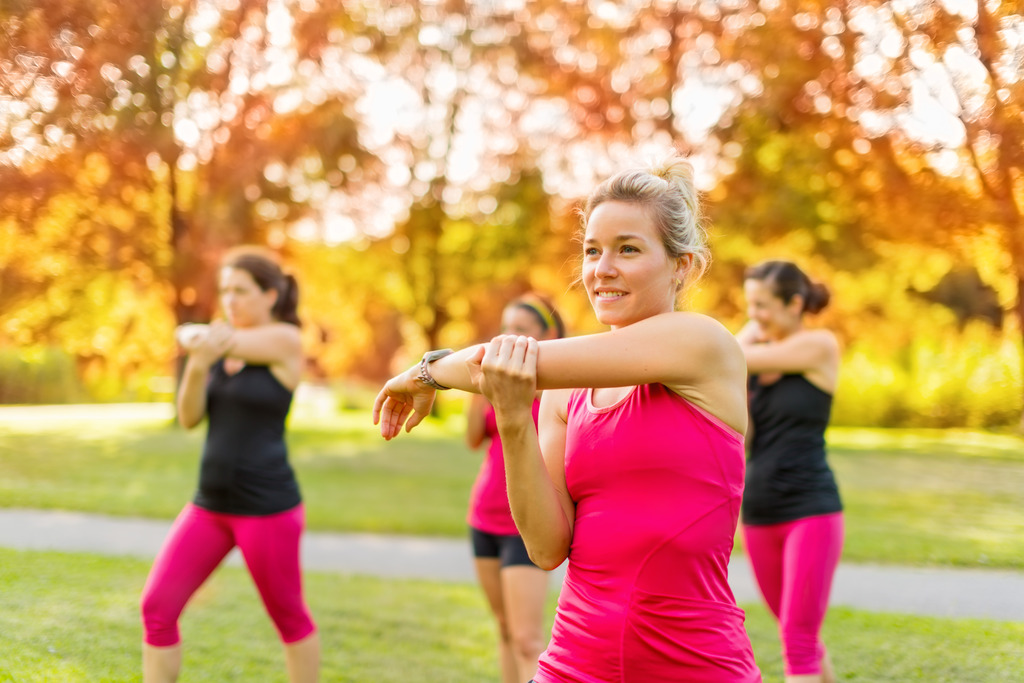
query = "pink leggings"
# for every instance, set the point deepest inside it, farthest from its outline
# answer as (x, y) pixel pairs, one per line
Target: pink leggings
(794, 564)
(198, 542)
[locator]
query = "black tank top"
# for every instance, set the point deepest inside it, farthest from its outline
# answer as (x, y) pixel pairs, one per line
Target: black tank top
(788, 477)
(245, 470)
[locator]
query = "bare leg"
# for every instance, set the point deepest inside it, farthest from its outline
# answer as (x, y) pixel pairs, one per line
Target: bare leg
(828, 674)
(160, 664)
(302, 659)
(488, 571)
(525, 589)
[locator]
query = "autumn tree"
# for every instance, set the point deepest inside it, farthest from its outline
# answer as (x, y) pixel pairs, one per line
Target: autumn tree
(918, 106)
(200, 125)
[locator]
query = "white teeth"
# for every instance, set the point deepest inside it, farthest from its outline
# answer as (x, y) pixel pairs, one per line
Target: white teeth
(608, 295)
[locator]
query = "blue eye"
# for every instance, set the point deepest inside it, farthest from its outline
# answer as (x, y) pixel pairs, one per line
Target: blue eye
(590, 251)
(630, 249)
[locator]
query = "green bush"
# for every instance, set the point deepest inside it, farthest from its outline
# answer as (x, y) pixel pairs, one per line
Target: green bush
(39, 376)
(971, 379)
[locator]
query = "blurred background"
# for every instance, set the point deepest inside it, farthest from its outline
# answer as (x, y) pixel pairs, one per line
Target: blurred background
(416, 164)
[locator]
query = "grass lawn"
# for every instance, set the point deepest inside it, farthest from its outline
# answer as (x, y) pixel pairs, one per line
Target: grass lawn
(923, 497)
(73, 618)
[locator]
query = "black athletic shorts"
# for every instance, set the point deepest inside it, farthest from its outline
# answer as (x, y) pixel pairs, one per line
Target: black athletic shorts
(510, 549)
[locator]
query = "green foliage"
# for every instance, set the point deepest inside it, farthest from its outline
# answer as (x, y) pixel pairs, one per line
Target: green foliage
(417, 168)
(971, 379)
(38, 376)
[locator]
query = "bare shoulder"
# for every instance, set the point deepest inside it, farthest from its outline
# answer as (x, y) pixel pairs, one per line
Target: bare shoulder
(713, 338)
(286, 333)
(822, 339)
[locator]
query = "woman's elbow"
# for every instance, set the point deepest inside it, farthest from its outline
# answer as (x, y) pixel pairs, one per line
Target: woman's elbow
(548, 562)
(188, 421)
(547, 556)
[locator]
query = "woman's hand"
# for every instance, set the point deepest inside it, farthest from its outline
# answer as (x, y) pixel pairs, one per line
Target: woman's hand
(505, 371)
(751, 333)
(206, 349)
(401, 396)
(190, 335)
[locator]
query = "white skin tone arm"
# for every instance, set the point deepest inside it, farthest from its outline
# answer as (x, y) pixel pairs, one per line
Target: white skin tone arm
(812, 353)
(541, 506)
(689, 353)
(276, 345)
(475, 423)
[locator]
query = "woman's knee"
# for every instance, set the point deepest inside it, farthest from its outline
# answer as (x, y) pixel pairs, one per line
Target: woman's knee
(527, 645)
(293, 624)
(159, 619)
(801, 652)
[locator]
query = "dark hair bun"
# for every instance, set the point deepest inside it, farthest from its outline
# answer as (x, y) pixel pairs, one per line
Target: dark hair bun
(818, 297)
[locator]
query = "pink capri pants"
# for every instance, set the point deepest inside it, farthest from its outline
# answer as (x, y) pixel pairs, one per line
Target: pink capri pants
(198, 542)
(794, 563)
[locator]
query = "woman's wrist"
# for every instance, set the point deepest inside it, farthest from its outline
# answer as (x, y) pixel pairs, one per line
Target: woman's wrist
(423, 374)
(514, 419)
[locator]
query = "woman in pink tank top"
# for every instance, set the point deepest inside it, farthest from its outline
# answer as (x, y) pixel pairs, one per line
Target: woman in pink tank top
(634, 473)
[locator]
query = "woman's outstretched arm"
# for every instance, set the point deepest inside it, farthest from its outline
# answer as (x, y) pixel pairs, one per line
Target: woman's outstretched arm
(690, 353)
(803, 351)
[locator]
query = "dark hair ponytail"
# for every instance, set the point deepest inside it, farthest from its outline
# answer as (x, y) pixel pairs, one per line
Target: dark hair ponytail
(262, 265)
(786, 280)
(287, 307)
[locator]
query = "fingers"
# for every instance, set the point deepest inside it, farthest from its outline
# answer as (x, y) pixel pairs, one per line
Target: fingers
(416, 418)
(392, 415)
(473, 366)
(399, 412)
(530, 354)
(219, 337)
(378, 404)
(511, 354)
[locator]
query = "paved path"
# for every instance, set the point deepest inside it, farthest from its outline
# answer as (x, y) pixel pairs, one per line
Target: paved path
(992, 594)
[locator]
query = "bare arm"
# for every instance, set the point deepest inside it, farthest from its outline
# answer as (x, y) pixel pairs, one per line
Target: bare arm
(690, 353)
(475, 423)
(804, 351)
(535, 474)
(672, 348)
(506, 372)
(203, 352)
(278, 346)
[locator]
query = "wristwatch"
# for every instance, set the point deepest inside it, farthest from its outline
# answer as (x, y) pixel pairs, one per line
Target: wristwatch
(424, 376)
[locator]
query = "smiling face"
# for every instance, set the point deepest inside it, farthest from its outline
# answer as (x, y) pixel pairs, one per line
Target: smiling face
(627, 272)
(776, 318)
(242, 300)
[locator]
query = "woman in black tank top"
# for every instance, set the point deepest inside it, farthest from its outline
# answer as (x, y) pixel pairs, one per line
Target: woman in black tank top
(792, 514)
(241, 375)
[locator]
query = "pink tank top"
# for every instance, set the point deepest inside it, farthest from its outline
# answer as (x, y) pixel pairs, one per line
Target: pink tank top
(657, 484)
(488, 501)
